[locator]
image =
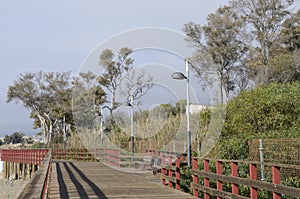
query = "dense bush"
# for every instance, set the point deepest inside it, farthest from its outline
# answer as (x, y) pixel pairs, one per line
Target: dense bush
(271, 111)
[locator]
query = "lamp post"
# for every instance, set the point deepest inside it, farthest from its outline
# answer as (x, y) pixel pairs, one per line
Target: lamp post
(101, 123)
(132, 127)
(181, 76)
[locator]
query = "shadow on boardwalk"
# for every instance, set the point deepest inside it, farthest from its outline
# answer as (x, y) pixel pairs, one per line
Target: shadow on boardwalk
(95, 180)
(70, 174)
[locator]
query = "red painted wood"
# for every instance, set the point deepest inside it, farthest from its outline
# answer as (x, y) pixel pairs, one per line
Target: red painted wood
(234, 173)
(195, 177)
(170, 172)
(26, 156)
(163, 161)
(253, 176)
(177, 174)
(276, 180)
(206, 180)
(219, 171)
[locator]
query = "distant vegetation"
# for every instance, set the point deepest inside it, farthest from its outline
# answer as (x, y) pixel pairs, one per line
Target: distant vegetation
(16, 138)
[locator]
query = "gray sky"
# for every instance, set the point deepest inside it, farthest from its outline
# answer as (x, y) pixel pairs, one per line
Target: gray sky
(58, 35)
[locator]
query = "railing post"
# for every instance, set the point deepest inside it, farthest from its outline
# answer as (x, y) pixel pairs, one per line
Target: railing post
(177, 173)
(163, 162)
(276, 180)
(206, 180)
(234, 173)
(119, 158)
(253, 176)
(170, 174)
(195, 176)
(219, 171)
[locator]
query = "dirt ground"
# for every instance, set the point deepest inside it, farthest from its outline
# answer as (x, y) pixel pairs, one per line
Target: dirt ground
(11, 189)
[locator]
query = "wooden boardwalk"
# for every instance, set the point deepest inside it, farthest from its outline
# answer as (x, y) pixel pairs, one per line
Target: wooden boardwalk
(95, 180)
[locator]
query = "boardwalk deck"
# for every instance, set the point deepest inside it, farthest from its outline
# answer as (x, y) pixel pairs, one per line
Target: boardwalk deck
(95, 180)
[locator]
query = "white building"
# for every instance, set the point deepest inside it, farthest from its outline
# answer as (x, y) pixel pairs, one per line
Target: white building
(196, 108)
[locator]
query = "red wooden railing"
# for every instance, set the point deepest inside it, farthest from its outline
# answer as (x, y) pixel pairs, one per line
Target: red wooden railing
(38, 186)
(25, 156)
(170, 170)
(213, 170)
(171, 163)
(252, 182)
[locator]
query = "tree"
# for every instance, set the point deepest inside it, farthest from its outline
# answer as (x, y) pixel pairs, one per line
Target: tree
(118, 71)
(283, 68)
(283, 65)
(290, 33)
(219, 47)
(17, 137)
(29, 140)
(87, 99)
(7, 139)
(47, 95)
(264, 19)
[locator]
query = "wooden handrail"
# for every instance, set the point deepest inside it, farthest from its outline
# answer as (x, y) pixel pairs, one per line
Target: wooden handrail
(25, 156)
(253, 183)
(41, 177)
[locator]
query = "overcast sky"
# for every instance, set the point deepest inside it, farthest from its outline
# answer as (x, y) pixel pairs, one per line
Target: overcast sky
(58, 35)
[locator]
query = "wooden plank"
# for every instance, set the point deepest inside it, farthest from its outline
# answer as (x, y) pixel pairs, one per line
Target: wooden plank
(95, 180)
(216, 192)
(290, 191)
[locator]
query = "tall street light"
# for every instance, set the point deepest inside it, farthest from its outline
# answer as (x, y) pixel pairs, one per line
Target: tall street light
(132, 124)
(101, 123)
(181, 76)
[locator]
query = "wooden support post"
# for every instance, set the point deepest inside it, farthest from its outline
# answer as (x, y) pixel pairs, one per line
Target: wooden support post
(253, 176)
(11, 170)
(177, 173)
(23, 171)
(206, 180)
(5, 169)
(163, 162)
(195, 177)
(234, 173)
(18, 171)
(219, 171)
(276, 180)
(8, 168)
(28, 171)
(170, 173)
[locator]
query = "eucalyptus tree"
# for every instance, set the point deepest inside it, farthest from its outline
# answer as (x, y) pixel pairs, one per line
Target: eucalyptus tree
(264, 18)
(284, 65)
(87, 99)
(290, 33)
(219, 47)
(119, 77)
(47, 96)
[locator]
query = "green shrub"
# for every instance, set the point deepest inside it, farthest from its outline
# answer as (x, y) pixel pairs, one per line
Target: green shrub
(270, 111)
(38, 145)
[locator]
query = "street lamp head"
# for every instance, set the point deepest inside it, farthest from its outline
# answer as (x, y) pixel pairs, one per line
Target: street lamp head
(178, 75)
(128, 104)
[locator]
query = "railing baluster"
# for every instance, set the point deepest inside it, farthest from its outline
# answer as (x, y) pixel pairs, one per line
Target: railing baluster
(234, 173)
(170, 173)
(163, 162)
(177, 173)
(219, 171)
(195, 177)
(276, 180)
(253, 176)
(206, 180)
